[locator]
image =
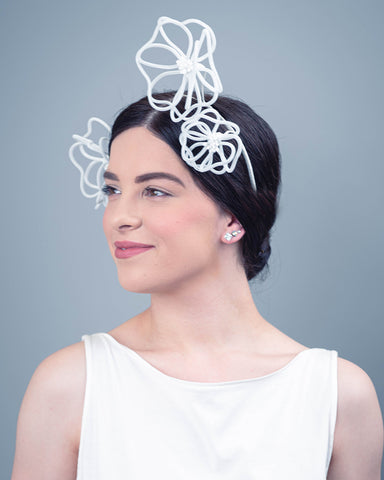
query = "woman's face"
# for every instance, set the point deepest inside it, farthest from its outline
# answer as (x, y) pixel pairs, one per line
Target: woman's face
(183, 225)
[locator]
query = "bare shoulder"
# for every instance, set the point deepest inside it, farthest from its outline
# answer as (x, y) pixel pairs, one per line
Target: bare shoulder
(63, 368)
(356, 393)
(352, 377)
(49, 421)
(60, 379)
(358, 440)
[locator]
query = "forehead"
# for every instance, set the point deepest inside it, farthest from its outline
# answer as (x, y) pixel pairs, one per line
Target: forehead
(138, 150)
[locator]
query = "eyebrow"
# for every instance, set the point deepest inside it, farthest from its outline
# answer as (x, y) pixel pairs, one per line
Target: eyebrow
(145, 177)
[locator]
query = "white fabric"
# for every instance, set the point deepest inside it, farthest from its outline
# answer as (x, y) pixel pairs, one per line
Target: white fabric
(141, 424)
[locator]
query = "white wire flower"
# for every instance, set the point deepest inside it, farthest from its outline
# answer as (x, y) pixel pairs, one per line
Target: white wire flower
(195, 67)
(208, 141)
(96, 152)
(201, 139)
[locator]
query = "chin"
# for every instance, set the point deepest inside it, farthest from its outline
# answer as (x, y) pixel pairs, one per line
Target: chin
(151, 282)
(135, 283)
(139, 282)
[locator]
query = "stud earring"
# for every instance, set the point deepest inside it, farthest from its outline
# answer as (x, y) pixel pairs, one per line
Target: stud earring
(228, 236)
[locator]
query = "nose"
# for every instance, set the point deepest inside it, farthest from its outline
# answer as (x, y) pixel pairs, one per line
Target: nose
(123, 216)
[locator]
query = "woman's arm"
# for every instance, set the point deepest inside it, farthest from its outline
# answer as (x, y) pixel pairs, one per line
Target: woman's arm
(48, 426)
(358, 441)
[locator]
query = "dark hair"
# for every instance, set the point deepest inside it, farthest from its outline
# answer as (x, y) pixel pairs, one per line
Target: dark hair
(256, 211)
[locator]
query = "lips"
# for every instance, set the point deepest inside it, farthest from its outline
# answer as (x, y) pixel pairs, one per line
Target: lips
(127, 244)
(129, 249)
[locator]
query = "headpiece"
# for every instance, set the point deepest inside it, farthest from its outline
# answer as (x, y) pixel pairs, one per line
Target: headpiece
(208, 142)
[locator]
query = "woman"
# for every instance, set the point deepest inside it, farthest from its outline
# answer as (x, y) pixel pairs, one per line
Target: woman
(199, 385)
(202, 328)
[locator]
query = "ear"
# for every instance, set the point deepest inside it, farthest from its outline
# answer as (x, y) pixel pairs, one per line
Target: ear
(233, 230)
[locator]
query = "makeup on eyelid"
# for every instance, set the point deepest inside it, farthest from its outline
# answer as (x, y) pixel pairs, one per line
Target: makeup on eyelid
(108, 190)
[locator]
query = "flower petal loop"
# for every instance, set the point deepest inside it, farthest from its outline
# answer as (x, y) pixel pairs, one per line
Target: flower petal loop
(200, 139)
(99, 159)
(193, 65)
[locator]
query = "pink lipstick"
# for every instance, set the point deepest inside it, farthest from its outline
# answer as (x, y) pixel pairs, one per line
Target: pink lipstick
(129, 249)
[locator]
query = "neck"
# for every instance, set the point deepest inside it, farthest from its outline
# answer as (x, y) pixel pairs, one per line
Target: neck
(206, 315)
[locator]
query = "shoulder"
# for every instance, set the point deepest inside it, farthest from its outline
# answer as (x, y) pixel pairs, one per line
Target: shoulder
(358, 437)
(59, 380)
(355, 389)
(49, 422)
(64, 359)
(61, 375)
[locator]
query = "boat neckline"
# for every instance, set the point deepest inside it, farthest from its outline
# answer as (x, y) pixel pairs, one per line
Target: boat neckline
(204, 384)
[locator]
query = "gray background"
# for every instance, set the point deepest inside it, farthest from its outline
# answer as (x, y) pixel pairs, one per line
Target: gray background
(313, 70)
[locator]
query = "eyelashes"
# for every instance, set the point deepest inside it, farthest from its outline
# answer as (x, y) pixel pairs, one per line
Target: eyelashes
(108, 190)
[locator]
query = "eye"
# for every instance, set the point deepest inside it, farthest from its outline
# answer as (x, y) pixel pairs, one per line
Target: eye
(153, 192)
(108, 190)
(149, 189)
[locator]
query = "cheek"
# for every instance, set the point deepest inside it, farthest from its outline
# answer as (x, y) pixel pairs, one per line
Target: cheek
(188, 228)
(175, 221)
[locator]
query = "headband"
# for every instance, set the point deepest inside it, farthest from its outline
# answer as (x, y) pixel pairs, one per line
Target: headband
(208, 142)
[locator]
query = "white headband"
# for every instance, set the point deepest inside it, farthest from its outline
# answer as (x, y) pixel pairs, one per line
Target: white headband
(200, 138)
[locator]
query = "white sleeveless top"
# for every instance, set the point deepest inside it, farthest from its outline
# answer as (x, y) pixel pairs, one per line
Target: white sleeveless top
(141, 424)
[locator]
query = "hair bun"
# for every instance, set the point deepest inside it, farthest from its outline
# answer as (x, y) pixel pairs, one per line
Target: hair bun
(264, 252)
